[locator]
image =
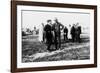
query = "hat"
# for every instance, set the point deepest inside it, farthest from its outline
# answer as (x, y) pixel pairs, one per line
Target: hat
(49, 20)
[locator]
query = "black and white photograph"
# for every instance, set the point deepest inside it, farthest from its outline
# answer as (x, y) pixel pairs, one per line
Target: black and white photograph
(55, 36)
(51, 36)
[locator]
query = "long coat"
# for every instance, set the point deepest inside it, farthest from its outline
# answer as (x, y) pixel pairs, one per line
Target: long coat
(57, 27)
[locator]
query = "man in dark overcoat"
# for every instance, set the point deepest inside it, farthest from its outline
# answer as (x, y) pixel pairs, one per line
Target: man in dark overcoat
(65, 31)
(57, 27)
(78, 32)
(73, 33)
(48, 31)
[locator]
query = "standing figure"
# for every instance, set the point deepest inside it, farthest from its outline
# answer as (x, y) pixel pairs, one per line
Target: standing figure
(79, 39)
(43, 38)
(65, 34)
(57, 27)
(69, 34)
(73, 33)
(77, 32)
(34, 31)
(41, 32)
(48, 31)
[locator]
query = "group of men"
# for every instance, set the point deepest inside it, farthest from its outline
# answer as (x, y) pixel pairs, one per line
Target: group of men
(75, 33)
(53, 34)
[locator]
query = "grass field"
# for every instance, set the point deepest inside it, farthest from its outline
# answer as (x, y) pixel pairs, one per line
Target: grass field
(35, 51)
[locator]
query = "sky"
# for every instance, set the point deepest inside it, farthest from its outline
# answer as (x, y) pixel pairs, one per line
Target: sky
(35, 18)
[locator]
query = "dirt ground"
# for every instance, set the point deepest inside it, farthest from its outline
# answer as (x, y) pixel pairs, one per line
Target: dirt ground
(35, 51)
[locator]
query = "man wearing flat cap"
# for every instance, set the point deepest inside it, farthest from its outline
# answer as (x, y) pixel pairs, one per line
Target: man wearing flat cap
(57, 27)
(48, 31)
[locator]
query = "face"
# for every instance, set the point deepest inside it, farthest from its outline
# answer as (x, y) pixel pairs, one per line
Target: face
(50, 22)
(77, 24)
(69, 25)
(56, 20)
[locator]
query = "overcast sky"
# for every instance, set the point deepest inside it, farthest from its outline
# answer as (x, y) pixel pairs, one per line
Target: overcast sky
(35, 18)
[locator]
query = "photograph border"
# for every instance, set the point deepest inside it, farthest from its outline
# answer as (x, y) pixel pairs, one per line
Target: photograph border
(46, 4)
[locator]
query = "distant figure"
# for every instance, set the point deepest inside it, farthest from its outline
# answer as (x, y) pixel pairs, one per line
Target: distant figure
(77, 33)
(48, 31)
(73, 33)
(34, 31)
(41, 29)
(43, 38)
(69, 34)
(57, 27)
(65, 34)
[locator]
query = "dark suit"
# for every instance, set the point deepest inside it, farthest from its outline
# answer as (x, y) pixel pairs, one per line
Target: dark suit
(48, 30)
(65, 34)
(78, 32)
(73, 33)
(57, 27)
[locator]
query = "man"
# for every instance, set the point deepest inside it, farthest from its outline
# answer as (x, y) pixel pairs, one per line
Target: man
(34, 31)
(73, 33)
(57, 27)
(78, 32)
(65, 34)
(79, 39)
(48, 31)
(43, 34)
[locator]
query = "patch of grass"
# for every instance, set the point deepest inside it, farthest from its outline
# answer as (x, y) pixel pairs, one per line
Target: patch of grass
(30, 48)
(71, 54)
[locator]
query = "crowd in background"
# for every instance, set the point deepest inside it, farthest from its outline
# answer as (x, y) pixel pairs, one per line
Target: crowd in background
(51, 33)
